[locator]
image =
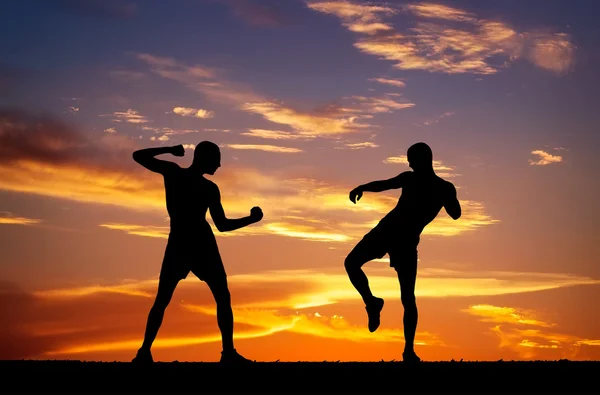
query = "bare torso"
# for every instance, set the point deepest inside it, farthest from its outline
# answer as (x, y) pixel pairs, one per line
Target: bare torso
(423, 196)
(188, 197)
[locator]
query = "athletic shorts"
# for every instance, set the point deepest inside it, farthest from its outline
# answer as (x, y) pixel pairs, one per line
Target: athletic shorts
(381, 240)
(194, 253)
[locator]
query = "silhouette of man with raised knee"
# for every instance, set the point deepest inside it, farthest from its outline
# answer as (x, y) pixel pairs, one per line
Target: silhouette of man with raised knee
(398, 234)
(192, 246)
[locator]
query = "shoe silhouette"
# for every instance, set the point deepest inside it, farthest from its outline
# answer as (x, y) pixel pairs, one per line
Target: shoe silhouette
(373, 312)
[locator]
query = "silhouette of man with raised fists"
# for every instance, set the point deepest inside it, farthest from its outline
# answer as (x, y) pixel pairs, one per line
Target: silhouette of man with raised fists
(398, 234)
(192, 246)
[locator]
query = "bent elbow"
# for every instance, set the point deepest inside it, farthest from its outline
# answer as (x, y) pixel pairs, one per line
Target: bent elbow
(456, 216)
(221, 227)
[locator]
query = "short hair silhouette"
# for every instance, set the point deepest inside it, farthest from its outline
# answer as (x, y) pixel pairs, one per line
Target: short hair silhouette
(420, 155)
(204, 149)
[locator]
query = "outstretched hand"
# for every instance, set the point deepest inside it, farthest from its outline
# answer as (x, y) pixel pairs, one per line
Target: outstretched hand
(355, 195)
(178, 150)
(256, 214)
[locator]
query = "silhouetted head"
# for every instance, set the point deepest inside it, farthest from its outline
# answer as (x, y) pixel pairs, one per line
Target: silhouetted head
(207, 157)
(420, 157)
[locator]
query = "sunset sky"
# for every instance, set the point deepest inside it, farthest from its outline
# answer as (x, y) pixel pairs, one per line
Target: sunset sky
(307, 100)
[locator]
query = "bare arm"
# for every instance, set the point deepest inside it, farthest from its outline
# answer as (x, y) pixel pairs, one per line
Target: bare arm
(146, 158)
(452, 205)
(225, 224)
(378, 186)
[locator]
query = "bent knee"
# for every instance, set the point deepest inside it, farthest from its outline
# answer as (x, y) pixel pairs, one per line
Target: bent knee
(352, 264)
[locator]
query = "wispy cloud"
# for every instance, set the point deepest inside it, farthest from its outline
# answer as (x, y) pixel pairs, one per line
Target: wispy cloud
(11, 219)
(509, 315)
(258, 13)
(292, 301)
(389, 81)
(275, 134)
(193, 112)
(433, 121)
(129, 116)
(330, 122)
(45, 157)
(361, 145)
(440, 168)
(526, 341)
(140, 230)
(110, 130)
(544, 158)
(447, 40)
(265, 147)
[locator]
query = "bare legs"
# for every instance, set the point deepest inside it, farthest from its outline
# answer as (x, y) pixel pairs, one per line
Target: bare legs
(157, 312)
(222, 297)
(407, 275)
(406, 268)
(353, 264)
(220, 291)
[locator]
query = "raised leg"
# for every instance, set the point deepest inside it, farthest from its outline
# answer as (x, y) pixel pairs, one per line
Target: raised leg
(361, 254)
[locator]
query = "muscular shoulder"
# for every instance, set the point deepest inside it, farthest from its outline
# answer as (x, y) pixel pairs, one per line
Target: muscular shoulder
(406, 175)
(212, 189)
(449, 188)
(171, 169)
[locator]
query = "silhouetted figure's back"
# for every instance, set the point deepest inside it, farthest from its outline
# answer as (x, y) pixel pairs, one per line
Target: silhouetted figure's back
(398, 234)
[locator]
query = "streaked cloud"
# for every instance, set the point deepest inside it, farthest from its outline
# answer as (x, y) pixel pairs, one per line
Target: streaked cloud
(439, 11)
(275, 134)
(544, 158)
(390, 81)
(264, 147)
(447, 40)
(258, 13)
(509, 315)
(11, 219)
(529, 343)
(329, 122)
(292, 301)
(440, 168)
(193, 112)
(164, 137)
(299, 289)
(306, 123)
(110, 130)
(433, 121)
(380, 104)
(45, 157)
(129, 116)
(139, 230)
(362, 145)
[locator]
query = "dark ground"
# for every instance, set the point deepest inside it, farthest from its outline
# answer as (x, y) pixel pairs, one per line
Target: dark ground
(290, 377)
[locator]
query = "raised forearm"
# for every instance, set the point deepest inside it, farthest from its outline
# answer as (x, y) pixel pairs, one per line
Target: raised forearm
(151, 152)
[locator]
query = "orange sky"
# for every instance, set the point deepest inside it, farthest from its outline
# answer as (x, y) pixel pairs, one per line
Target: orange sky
(502, 98)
